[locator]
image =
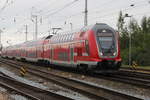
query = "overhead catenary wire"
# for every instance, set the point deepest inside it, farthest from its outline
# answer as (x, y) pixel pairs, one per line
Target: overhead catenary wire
(111, 12)
(5, 5)
(74, 15)
(24, 20)
(62, 8)
(46, 10)
(81, 13)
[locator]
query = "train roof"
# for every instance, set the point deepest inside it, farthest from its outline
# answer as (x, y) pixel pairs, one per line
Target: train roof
(41, 40)
(85, 28)
(69, 35)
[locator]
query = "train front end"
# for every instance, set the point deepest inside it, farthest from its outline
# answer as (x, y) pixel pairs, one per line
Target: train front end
(108, 48)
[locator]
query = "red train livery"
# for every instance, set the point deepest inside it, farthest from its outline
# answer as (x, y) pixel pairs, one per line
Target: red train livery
(94, 47)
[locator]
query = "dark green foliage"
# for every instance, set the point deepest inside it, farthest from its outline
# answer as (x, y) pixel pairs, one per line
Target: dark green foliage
(140, 36)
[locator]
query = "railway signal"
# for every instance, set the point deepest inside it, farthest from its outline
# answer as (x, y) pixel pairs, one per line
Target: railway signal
(48, 68)
(134, 65)
(23, 71)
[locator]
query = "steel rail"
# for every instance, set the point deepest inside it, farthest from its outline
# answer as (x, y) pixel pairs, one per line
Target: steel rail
(83, 87)
(137, 69)
(27, 90)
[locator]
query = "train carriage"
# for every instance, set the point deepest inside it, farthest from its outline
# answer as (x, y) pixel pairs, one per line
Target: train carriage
(92, 47)
(95, 47)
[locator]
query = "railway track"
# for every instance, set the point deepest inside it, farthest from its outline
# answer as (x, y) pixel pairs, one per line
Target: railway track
(90, 90)
(137, 69)
(26, 90)
(133, 80)
(135, 74)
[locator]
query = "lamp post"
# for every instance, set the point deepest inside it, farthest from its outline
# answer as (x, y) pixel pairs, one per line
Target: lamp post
(26, 33)
(130, 42)
(71, 26)
(0, 40)
(36, 26)
(0, 35)
(1, 31)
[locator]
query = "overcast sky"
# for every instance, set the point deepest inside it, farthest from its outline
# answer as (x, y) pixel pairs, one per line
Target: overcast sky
(15, 14)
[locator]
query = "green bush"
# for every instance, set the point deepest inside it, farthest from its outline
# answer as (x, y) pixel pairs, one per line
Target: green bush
(140, 37)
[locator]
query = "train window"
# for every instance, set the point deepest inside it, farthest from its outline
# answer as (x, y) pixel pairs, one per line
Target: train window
(56, 39)
(87, 46)
(52, 40)
(82, 33)
(106, 42)
(47, 47)
(65, 38)
(62, 38)
(71, 37)
(68, 37)
(79, 51)
(59, 39)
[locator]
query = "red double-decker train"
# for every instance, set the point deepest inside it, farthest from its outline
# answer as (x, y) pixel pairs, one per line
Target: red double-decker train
(94, 47)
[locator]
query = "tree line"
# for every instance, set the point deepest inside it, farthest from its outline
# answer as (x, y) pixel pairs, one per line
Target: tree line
(140, 39)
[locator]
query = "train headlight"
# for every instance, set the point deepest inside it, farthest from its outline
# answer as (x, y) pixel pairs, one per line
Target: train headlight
(114, 53)
(101, 54)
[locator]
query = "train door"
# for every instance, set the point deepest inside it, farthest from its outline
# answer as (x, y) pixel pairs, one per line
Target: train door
(42, 49)
(51, 54)
(71, 54)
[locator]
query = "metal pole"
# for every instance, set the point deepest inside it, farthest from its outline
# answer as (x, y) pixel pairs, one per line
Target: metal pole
(49, 32)
(26, 32)
(86, 14)
(130, 45)
(0, 40)
(49, 28)
(0, 36)
(71, 26)
(36, 27)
